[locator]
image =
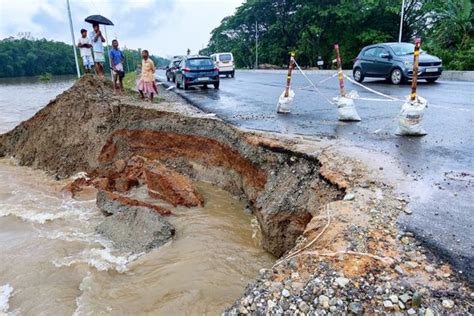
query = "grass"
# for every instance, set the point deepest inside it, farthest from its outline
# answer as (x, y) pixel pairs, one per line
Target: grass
(45, 77)
(130, 83)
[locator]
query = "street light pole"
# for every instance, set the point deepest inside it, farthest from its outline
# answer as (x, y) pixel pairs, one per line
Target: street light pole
(256, 45)
(73, 40)
(401, 22)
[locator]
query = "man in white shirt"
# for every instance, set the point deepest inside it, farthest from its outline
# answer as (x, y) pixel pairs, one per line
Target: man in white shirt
(84, 45)
(97, 40)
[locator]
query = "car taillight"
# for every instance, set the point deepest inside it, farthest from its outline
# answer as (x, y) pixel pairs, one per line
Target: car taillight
(187, 70)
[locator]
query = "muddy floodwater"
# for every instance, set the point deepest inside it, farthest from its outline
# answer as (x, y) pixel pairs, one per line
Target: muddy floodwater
(53, 262)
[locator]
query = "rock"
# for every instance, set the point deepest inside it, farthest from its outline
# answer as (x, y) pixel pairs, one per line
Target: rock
(411, 311)
(416, 299)
(285, 293)
(408, 211)
(341, 281)
(429, 269)
(102, 184)
(125, 184)
(401, 305)
(262, 272)
(411, 264)
(271, 304)
(111, 203)
(388, 304)
(394, 299)
(404, 298)
(171, 186)
(405, 240)
(120, 165)
(323, 300)
(243, 310)
(429, 312)
(448, 304)
(302, 306)
(399, 270)
(136, 229)
(356, 308)
(349, 197)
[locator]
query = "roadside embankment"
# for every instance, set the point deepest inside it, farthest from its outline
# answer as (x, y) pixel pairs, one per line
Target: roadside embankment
(330, 218)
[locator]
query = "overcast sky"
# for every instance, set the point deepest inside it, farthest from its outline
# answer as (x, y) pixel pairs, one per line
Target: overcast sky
(164, 27)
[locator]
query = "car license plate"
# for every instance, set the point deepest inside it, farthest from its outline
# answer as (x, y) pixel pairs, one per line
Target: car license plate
(432, 69)
(203, 79)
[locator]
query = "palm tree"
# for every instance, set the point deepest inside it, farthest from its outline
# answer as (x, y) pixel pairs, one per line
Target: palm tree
(454, 24)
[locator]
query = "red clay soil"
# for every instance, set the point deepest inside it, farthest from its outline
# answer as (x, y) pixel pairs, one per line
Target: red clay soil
(132, 202)
(156, 145)
(171, 186)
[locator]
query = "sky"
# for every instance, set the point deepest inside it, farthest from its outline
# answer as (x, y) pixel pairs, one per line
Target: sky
(164, 27)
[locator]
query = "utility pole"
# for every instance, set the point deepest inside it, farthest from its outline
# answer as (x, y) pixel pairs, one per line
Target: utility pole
(256, 45)
(73, 40)
(401, 22)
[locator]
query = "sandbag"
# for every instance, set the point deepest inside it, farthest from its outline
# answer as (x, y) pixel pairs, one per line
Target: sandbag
(284, 103)
(410, 118)
(346, 108)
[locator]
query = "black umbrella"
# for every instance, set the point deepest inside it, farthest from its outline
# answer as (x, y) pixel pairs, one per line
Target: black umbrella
(99, 19)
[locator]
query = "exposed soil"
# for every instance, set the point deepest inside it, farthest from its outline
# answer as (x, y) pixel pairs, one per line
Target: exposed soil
(330, 218)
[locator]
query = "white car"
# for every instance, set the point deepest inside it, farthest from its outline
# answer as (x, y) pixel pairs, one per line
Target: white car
(225, 63)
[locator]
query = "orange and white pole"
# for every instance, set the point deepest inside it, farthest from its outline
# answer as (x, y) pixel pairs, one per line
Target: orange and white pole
(416, 57)
(339, 71)
(291, 66)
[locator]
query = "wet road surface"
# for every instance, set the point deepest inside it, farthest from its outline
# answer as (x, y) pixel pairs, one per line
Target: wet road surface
(440, 164)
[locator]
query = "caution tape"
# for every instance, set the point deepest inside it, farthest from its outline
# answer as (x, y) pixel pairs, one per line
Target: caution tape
(312, 84)
(372, 90)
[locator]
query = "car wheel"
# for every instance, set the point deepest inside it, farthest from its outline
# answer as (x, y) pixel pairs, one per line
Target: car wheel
(183, 83)
(396, 76)
(216, 85)
(233, 74)
(168, 78)
(431, 80)
(177, 84)
(358, 75)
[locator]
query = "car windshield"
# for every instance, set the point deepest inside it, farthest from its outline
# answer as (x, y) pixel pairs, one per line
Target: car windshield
(225, 57)
(199, 63)
(402, 49)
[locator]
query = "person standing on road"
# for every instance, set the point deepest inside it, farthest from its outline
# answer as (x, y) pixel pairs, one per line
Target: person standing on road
(116, 59)
(84, 45)
(146, 84)
(97, 40)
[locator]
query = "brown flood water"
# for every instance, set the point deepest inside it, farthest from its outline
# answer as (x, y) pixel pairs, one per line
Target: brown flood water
(57, 265)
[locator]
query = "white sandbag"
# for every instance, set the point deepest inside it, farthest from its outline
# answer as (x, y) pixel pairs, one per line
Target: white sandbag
(284, 103)
(410, 118)
(346, 108)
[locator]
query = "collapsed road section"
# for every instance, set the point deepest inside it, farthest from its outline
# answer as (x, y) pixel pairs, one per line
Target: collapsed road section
(330, 222)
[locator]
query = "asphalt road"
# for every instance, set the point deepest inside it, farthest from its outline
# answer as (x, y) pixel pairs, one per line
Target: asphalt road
(441, 164)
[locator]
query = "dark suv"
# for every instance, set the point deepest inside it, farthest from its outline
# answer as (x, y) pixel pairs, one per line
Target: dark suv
(197, 70)
(171, 69)
(394, 61)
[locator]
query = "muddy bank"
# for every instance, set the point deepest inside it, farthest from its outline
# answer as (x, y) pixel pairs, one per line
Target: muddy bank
(87, 129)
(330, 219)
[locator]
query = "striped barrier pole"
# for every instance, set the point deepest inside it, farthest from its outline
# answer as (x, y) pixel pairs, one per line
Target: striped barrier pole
(339, 71)
(291, 65)
(416, 57)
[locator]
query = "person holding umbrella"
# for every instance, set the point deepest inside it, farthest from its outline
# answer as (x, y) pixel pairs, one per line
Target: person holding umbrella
(98, 48)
